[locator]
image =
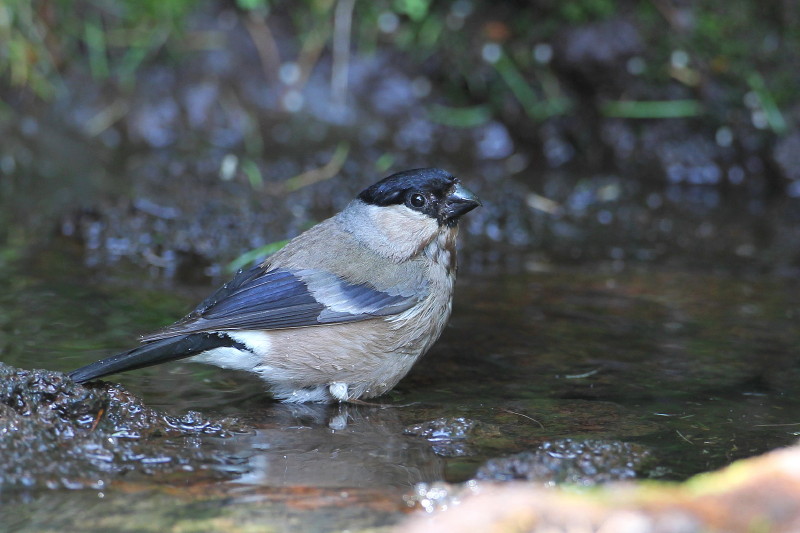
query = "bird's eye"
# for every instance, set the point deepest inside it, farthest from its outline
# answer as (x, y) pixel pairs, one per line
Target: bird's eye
(416, 200)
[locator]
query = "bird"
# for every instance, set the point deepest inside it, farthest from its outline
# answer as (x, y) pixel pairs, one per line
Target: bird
(343, 311)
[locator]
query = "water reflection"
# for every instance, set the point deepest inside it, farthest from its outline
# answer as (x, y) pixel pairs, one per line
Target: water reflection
(336, 446)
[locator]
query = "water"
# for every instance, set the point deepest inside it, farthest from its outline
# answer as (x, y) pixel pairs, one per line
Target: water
(699, 368)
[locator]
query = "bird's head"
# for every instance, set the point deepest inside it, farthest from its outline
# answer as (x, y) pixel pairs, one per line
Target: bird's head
(429, 192)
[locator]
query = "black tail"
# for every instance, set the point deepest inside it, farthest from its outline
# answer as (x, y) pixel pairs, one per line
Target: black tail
(153, 353)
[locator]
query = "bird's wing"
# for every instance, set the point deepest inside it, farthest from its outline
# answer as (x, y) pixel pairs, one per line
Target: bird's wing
(281, 298)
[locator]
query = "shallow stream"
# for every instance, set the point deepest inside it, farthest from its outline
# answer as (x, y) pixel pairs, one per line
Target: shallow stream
(698, 369)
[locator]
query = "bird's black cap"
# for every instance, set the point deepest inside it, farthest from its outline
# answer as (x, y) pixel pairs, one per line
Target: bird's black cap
(431, 191)
(393, 189)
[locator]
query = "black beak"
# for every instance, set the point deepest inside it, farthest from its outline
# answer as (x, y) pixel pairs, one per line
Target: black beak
(459, 202)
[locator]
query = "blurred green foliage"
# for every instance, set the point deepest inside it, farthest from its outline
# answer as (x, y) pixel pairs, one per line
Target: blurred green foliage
(415, 9)
(583, 10)
(732, 43)
(40, 39)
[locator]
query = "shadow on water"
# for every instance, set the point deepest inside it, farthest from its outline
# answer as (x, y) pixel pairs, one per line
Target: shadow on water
(698, 369)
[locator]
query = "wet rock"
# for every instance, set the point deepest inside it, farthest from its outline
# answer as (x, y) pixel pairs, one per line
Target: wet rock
(454, 436)
(450, 437)
(55, 433)
(442, 429)
(595, 54)
(690, 161)
(588, 462)
(432, 497)
(493, 141)
(763, 490)
(394, 94)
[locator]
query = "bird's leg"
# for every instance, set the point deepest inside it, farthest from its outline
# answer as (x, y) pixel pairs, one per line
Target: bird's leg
(338, 390)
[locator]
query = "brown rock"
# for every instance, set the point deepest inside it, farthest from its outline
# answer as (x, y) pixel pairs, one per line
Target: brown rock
(758, 494)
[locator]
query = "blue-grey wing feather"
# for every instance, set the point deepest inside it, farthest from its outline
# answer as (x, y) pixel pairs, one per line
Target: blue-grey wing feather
(259, 300)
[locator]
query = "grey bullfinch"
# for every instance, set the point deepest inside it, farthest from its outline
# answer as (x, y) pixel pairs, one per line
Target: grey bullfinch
(343, 311)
